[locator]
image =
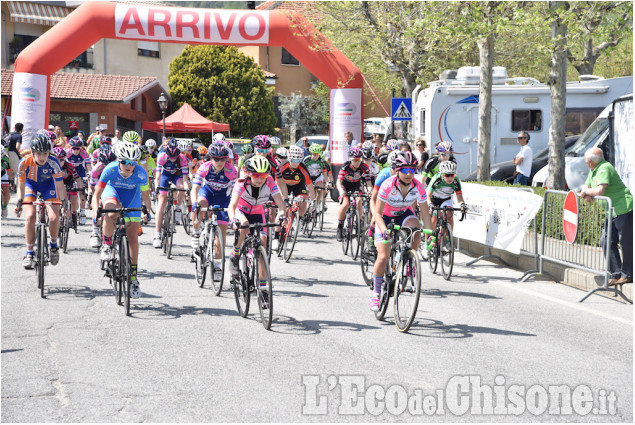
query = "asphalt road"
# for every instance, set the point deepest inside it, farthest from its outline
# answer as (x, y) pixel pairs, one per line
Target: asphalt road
(484, 348)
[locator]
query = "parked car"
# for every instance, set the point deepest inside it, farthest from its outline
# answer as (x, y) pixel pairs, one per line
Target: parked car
(321, 139)
(504, 171)
(598, 134)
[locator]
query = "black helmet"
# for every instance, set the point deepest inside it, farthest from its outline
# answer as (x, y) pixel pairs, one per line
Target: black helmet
(40, 143)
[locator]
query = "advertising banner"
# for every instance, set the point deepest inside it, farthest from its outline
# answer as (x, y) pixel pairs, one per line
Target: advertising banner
(346, 115)
(497, 216)
(29, 104)
(191, 25)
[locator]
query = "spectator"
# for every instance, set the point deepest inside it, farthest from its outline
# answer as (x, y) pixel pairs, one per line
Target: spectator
(350, 142)
(523, 160)
(97, 133)
(305, 147)
(404, 146)
(603, 180)
(420, 152)
(60, 138)
(117, 137)
(15, 145)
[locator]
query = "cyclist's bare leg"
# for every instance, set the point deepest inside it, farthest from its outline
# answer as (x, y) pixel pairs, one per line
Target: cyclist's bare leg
(163, 200)
(196, 220)
(416, 238)
(30, 215)
(383, 253)
(132, 229)
(223, 230)
(54, 220)
(341, 213)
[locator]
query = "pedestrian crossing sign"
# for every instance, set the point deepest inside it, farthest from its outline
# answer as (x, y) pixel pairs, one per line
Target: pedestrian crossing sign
(401, 109)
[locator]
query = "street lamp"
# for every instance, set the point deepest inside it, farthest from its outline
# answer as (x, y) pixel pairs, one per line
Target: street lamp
(163, 104)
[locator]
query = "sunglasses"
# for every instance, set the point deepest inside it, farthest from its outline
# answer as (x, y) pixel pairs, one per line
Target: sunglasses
(408, 170)
(259, 175)
(449, 175)
(127, 162)
(75, 149)
(295, 161)
(262, 150)
(356, 159)
(419, 144)
(219, 159)
(281, 157)
(523, 138)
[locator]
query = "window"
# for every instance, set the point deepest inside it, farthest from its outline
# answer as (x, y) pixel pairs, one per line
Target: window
(148, 48)
(19, 43)
(124, 124)
(578, 120)
(288, 59)
(526, 120)
(133, 104)
(143, 103)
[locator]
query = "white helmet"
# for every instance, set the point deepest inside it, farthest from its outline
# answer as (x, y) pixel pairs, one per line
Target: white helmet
(151, 143)
(184, 144)
(447, 167)
(295, 153)
(274, 140)
(128, 150)
(219, 136)
(391, 157)
(1, 151)
(282, 152)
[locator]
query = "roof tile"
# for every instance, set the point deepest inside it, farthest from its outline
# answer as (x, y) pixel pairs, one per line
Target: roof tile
(95, 87)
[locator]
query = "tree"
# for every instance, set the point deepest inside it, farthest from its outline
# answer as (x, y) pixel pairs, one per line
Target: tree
(223, 85)
(308, 114)
(558, 83)
(596, 29)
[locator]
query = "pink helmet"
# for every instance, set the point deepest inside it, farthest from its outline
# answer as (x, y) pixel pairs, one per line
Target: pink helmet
(404, 159)
(59, 152)
(355, 153)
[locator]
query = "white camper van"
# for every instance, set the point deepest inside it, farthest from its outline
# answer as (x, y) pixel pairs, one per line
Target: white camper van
(448, 110)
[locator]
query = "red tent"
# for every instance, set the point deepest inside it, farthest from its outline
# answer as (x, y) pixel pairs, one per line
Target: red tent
(185, 120)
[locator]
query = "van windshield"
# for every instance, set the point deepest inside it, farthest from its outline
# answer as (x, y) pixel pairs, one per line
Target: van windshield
(590, 136)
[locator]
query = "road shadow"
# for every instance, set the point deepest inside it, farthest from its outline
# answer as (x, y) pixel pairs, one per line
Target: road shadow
(438, 293)
(312, 260)
(309, 282)
(161, 311)
(289, 325)
(12, 350)
(429, 328)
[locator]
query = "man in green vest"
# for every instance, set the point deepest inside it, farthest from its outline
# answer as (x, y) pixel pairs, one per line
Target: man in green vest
(603, 180)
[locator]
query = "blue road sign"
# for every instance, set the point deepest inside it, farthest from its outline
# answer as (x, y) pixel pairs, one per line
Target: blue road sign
(401, 109)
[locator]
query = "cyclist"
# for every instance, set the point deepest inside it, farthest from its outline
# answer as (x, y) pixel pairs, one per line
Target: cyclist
(350, 178)
(282, 156)
(368, 158)
(40, 174)
(202, 157)
(105, 157)
(293, 178)
(246, 205)
(319, 169)
(213, 185)
(444, 153)
(72, 181)
(395, 202)
(77, 156)
(171, 168)
(441, 188)
(7, 175)
(122, 184)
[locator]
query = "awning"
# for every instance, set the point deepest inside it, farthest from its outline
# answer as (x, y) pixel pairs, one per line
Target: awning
(36, 13)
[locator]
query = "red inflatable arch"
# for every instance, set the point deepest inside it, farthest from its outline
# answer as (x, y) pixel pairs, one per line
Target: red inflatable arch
(93, 21)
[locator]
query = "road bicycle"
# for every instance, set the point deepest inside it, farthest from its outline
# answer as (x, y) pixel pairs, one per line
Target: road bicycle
(321, 206)
(168, 227)
(210, 244)
(41, 254)
(291, 229)
(352, 230)
(118, 268)
(402, 278)
(309, 219)
(186, 221)
(66, 223)
(271, 211)
(252, 259)
(444, 249)
(367, 256)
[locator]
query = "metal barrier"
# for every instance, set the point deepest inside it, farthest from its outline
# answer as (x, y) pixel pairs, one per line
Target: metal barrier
(587, 252)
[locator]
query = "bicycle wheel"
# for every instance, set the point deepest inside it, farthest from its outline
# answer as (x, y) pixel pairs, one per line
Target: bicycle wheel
(115, 267)
(282, 238)
(407, 290)
(323, 209)
(346, 234)
(40, 258)
(433, 256)
(186, 220)
(355, 234)
(366, 260)
(241, 287)
(446, 251)
(265, 300)
(200, 267)
(216, 237)
(292, 237)
(171, 231)
(167, 215)
(64, 232)
(124, 272)
(386, 287)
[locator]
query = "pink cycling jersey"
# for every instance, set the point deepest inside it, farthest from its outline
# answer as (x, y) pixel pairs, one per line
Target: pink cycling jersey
(96, 172)
(167, 165)
(395, 203)
(250, 204)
